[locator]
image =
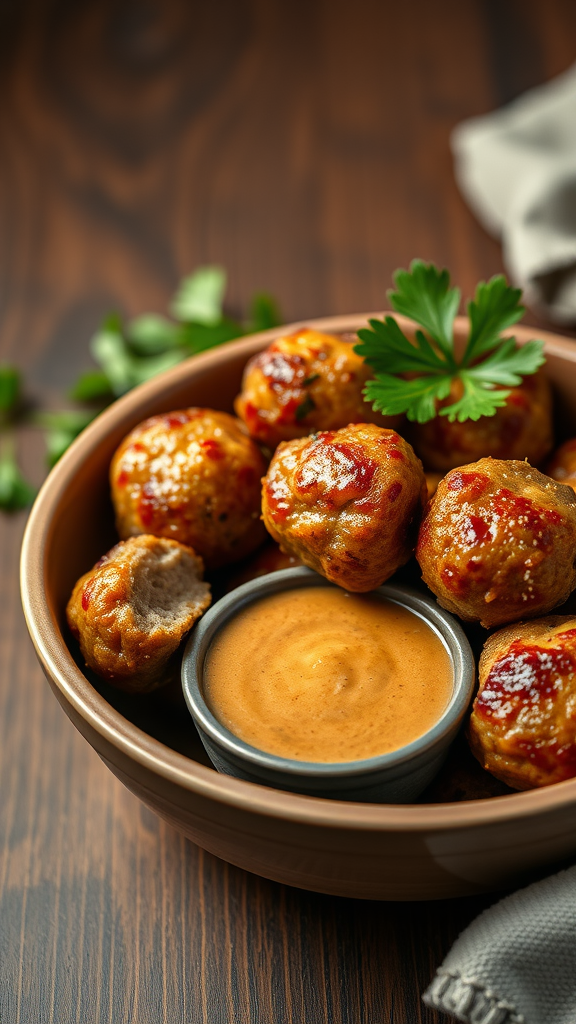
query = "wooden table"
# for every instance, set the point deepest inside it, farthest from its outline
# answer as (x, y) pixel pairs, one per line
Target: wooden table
(305, 147)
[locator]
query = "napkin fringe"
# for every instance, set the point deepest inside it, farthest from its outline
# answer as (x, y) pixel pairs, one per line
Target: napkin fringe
(468, 1000)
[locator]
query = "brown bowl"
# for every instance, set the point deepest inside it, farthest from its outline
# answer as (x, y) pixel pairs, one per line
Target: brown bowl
(388, 852)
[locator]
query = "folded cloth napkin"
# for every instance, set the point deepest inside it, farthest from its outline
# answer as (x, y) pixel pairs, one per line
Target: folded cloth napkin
(516, 963)
(517, 170)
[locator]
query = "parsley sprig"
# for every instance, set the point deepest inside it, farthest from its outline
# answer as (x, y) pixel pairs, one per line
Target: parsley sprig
(128, 354)
(412, 377)
(15, 491)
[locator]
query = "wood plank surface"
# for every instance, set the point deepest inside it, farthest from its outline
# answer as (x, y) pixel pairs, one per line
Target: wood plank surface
(305, 147)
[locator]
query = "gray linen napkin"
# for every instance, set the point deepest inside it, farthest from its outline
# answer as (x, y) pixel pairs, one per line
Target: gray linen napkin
(517, 170)
(516, 963)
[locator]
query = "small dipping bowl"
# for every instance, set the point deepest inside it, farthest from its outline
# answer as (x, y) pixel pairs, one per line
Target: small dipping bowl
(398, 776)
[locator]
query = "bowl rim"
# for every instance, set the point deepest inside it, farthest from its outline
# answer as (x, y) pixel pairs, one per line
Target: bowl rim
(152, 755)
(442, 623)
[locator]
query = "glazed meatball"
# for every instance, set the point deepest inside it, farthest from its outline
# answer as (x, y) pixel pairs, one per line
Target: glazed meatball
(193, 476)
(523, 724)
(305, 382)
(521, 429)
(498, 542)
(346, 502)
(131, 610)
(562, 465)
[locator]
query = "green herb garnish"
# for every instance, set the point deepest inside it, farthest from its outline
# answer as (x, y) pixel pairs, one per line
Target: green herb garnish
(264, 313)
(129, 354)
(15, 491)
(412, 377)
(199, 297)
(61, 429)
(126, 355)
(305, 407)
(10, 383)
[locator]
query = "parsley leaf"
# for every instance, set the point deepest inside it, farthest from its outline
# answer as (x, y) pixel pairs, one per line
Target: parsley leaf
(150, 334)
(423, 293)
(199, 297)
(495, 307)
(417, 398)
(200, 337)
(413, 375)
(92, 386)
(9, 389)
(264, 313)
(123, 368)
(61, 429)
(477, 400)
(388, 350)
(15, 491)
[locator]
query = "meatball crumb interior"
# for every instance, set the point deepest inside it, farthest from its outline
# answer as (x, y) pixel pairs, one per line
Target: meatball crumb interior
(131, 611)
(346, 502)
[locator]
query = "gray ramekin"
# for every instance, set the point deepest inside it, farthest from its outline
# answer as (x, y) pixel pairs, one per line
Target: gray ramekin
(397, 777)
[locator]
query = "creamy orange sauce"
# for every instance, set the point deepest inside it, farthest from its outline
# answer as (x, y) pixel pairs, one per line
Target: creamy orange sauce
(318, 674)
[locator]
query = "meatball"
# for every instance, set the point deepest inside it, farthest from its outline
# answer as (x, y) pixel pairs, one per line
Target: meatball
(305, 382)
(498, 542)
(562, 465)
(131, 610)
(346, 502)
(523, 724)
(193, 476)
(521, 429)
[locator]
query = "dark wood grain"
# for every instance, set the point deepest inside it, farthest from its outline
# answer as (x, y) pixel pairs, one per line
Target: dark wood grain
(305, 147)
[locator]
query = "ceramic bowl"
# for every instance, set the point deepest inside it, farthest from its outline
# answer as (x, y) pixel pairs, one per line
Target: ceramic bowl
(396, 777)
(376, 851)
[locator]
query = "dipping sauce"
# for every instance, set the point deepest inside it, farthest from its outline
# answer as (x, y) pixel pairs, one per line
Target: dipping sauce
(318, 674)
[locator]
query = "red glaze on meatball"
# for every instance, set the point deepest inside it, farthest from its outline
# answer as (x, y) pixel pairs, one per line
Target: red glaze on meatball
(192, 475)
(346, 502)
(302, 383)
(562, 466)
(498, 542)
(523, 724)
(520, 429)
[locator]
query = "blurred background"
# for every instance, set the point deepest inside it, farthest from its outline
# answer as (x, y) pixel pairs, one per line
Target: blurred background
(304, 146)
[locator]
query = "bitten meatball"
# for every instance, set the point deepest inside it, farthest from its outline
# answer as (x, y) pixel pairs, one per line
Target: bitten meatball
(305, 382)
(131, 610)
(562, 466)
(346, 502)
(193, 476)
(521, 429)
(523, 724)
(498, 542)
